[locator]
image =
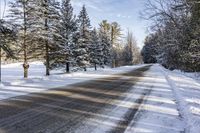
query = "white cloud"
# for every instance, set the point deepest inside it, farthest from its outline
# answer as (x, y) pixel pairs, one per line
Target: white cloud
(88, 3)
(123, 16)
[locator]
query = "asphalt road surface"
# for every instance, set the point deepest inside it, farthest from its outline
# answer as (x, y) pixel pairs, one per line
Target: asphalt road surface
(97, 106)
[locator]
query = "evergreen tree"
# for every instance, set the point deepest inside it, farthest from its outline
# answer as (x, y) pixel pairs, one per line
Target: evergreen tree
(96, 50)
(177, 34)
(194, 47)
(7, 34)
(63, 52)
(150, 49)
(20, 15)
(106, 28)
(46, 29)
(131, 53)
(84, 28)
(105, 40)
(113, 33)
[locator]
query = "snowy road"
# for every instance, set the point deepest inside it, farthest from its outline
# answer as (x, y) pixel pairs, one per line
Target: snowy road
(141, 101)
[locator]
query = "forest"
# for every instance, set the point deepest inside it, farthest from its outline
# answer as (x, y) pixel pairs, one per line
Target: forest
(49, 31)
(175, 40)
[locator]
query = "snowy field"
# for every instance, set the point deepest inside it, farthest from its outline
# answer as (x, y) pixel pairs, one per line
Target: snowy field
(14, 84)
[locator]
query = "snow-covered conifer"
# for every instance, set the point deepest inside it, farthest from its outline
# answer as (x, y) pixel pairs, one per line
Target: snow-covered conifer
(47, 19)
(106, 44)
(84, 28)
(96, 50)
(21, 16)
(63, 54)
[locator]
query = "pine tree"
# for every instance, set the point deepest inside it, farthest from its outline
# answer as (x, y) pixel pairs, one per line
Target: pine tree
(115, 41)
(69, 25)
(96, 50)
(20, 16)
(84, 28)
(64, 53)
(112, 33)
(7, 36)
(46, 27)
(105, 40)
(106, 28)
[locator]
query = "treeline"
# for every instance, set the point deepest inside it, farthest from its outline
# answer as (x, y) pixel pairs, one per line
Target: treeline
(175, 42)
(48, 30)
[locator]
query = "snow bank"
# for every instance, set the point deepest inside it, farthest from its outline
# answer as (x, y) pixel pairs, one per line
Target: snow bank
(194, 75)
(14, 84)
(187, 93)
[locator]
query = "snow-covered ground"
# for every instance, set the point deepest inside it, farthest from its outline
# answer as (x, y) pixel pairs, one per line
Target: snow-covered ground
(187, 95)
(158, 113)
(194, 75)
(175, 99)
(14, 84)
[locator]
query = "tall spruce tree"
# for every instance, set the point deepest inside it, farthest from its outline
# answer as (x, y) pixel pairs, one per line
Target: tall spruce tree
(105, 40)
(46, 29)
(96, 50)
(64, 53)
(84, 28)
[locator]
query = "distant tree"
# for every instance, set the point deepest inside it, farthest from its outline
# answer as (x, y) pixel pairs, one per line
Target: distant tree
(194, 47)
(96, 50)
(176, 24)
(150, 51)
(105, 40)
(106, 28)
(131, 50)
(115, 35)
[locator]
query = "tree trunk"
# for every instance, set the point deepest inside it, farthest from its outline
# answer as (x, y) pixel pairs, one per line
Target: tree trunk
(25, 65)
(46, 42)
(95, 66)
(113, 63)
(85, 69)
(0, 63)
(112, 43)
(47, 52)
(67, 67)
(47, 58)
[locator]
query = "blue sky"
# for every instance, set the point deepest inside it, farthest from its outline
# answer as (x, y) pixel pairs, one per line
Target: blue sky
(125, 12)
